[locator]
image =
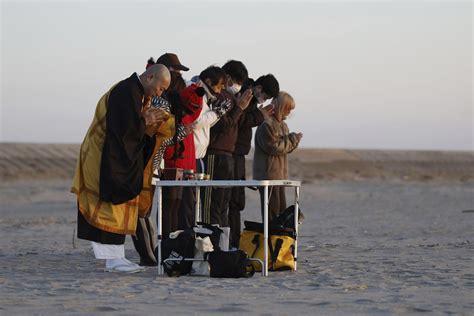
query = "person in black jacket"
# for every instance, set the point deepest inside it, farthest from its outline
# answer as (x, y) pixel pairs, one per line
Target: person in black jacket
(223, 136)
(109, 171)
(266, 87)
(145, 240)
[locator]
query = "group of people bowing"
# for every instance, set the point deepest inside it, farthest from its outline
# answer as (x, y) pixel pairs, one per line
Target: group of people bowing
(158, 119)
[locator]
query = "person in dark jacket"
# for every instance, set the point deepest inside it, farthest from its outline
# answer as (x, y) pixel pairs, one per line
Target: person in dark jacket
(109, 171)
(214, 106)
(223, 136)
(145, 238)
(266, 87)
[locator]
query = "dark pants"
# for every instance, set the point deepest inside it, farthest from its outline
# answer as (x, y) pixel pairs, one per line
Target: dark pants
(276, 201)
(146, 233)
(187, 208)
(237, 201)
(216, 200)
(171, 201)
(201, 168)
(144, 241)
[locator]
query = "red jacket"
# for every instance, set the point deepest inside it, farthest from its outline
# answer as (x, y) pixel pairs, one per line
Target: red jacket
(193, 102)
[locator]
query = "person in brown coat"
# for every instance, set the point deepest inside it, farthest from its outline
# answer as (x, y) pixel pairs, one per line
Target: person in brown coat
(273, 142)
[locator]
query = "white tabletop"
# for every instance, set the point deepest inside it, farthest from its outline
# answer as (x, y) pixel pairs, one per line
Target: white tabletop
(225, 183)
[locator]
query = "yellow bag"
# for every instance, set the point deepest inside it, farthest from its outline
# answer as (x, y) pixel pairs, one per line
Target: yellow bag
(280, 248)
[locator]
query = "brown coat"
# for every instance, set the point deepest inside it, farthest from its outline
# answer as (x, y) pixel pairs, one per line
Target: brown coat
(273, 142)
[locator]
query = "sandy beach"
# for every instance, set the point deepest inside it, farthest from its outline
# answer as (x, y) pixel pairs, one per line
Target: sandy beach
(386, 232)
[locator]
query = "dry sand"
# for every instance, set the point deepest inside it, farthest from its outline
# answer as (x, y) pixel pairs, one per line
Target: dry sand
(386, 232)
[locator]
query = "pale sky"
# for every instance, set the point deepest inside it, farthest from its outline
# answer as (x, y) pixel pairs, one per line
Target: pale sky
(381, 74)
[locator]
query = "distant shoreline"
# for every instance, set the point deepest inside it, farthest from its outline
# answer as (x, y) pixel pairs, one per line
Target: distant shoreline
(19, 161)
(467, 151)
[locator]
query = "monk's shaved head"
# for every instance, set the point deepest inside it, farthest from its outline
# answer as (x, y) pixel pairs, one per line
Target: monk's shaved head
(155, 80)
(159, 71)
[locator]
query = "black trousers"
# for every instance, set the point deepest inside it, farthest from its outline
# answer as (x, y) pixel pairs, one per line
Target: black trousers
(276, 201)
(145, 236)
(144, 241)
(172, 197)
(237, 201)
(187, 208)
(216, 200)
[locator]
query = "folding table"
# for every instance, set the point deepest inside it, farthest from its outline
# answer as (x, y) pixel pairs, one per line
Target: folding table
(223, 184)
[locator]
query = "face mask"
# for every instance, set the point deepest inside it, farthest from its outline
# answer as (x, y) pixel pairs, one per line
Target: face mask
(209, 92)
(259, 96)
(234, 89)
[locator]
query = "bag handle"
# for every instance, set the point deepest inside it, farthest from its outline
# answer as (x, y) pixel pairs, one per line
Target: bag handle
(256, 242)
(270, 247)
(250, 273)
(278, 244)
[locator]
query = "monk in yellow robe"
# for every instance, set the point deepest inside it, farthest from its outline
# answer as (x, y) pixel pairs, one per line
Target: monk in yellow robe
(111, 163)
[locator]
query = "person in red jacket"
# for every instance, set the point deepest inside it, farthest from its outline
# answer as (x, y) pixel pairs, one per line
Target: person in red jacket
(145, 240)
(181, 155)
(214, 106)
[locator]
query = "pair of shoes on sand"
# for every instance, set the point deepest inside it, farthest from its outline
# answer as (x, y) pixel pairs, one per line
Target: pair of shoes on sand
(122, 265)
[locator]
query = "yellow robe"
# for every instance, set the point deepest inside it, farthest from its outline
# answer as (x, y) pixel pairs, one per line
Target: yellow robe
(119, 218)
(166, 130)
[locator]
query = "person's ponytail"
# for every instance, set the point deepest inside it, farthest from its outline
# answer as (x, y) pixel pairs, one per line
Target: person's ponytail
(150, 62)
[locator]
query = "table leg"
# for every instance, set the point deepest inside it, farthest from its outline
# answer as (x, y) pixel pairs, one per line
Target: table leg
(197, 217)
(297, 204)
(159, 217)
(265, 230)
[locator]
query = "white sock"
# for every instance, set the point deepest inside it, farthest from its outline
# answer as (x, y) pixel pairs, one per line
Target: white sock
(111, 263)
(104, 251)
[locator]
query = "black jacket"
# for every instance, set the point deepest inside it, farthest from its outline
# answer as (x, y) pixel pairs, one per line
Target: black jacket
(126, 148)
(250, 118)
(224, 133)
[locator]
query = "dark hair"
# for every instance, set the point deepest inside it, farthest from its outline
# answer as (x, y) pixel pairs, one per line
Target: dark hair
(236, 70)
(269, 85)
(149, 62)
(214, 73)
(177, 82)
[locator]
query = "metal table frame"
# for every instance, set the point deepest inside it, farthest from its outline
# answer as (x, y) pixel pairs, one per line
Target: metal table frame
(222, 184)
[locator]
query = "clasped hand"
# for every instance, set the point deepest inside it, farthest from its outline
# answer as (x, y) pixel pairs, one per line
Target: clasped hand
(154, 116)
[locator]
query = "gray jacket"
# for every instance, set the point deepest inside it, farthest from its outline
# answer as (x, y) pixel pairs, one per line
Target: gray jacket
(273, 142)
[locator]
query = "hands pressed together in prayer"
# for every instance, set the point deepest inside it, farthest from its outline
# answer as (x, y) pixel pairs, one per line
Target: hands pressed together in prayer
(243, 99)
(267, 109)
(299, 136)
(153, 118)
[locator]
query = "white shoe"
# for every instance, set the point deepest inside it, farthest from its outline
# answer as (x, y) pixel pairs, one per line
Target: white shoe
(122, 265)
(130, 263)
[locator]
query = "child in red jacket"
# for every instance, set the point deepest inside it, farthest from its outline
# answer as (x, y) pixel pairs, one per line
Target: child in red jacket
(181, 155)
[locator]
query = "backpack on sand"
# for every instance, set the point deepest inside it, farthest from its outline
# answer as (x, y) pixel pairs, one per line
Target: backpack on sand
(180, 247)
(280, 245)
(230, 264)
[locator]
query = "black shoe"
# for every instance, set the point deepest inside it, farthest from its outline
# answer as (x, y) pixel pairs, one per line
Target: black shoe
(145, 262)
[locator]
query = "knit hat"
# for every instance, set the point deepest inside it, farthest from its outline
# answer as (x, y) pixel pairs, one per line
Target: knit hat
(191, 98)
